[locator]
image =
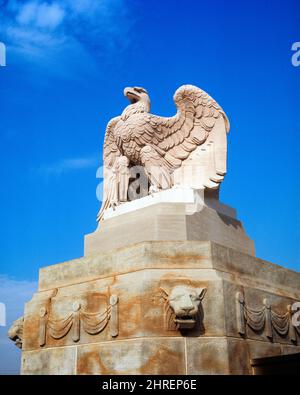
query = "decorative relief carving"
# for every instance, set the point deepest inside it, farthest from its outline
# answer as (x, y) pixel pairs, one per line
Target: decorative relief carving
(182, 307)
(77, 320)
(264, 319)
(15, 332)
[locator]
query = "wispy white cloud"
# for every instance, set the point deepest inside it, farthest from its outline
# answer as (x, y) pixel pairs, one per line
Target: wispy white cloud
(64, 39)
(23, 39)
(14, 294)
(40, 24)
(66, 165)
(41, 15)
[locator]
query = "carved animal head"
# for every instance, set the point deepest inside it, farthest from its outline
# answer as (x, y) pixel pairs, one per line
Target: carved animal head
(184, 302)
(136, 94)
(15, 332)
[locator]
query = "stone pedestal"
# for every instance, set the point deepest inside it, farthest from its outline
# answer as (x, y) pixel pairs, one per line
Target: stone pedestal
(139, 339)
(174, 214)
(115, 310)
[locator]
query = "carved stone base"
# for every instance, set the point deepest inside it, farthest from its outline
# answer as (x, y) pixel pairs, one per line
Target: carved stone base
(175, 214)
(160, 307)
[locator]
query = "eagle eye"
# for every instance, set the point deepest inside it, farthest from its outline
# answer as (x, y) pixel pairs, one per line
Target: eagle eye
(140, 90)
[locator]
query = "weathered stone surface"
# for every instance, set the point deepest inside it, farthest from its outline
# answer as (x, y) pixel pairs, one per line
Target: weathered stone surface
(238, 356)
(140, 276)
(289, 349)
(168, 221)
(49, 362)
(188, 254)
(207, 356)
(254, 271)
(260, 349)
(131, 258)
(141, 306)
(144, 356)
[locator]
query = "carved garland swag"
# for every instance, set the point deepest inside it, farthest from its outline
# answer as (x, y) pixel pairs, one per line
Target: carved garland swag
(265, 319)
(91, 323)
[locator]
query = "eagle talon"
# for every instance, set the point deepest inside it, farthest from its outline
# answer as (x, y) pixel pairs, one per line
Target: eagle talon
(152, 190)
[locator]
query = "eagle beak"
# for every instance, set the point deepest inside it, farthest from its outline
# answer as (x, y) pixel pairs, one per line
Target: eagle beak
(126, 90)
(131, 95)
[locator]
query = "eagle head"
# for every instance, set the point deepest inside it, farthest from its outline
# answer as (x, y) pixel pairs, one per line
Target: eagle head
(136, 94)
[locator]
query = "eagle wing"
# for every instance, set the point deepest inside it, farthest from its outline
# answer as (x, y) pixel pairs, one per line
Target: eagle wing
(110, 149)
(111, 154)
(199, 121)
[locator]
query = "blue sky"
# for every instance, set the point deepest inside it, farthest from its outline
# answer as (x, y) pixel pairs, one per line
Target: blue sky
(67, 64)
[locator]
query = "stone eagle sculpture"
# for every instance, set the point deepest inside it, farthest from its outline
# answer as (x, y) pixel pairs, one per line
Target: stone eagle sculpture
(193, 140)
